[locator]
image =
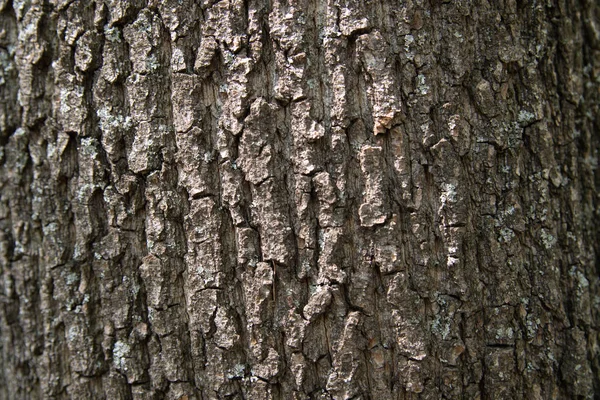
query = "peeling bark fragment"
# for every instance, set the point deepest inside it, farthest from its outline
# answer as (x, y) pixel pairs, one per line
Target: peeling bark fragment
(206, 52)
(307, 133)
(195, 162)
(154, 279)
(201, 308)
(145, 150)
(330, 248)
(226, 336)
(318, 303)
(346, 380)
(274, 224)
(256, 152)
(86, 52)
(185, 101)
(485, 98)
(269, 367)
(296, 330)
(258, 285)
(205, 266)
(145, 35)
(373, 210)
(326, 193)
(383, 88)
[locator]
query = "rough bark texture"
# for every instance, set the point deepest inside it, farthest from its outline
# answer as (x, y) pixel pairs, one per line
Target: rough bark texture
(296, 199)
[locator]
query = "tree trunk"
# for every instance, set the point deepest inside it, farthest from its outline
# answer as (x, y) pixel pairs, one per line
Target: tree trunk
(299, 199)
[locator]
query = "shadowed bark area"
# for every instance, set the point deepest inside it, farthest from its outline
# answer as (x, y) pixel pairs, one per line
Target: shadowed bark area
(299, 199)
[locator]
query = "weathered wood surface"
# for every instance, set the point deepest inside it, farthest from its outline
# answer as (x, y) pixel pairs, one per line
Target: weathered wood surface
(299, 199)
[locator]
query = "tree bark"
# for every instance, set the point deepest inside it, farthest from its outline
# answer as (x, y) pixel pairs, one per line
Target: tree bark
(299, 199)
